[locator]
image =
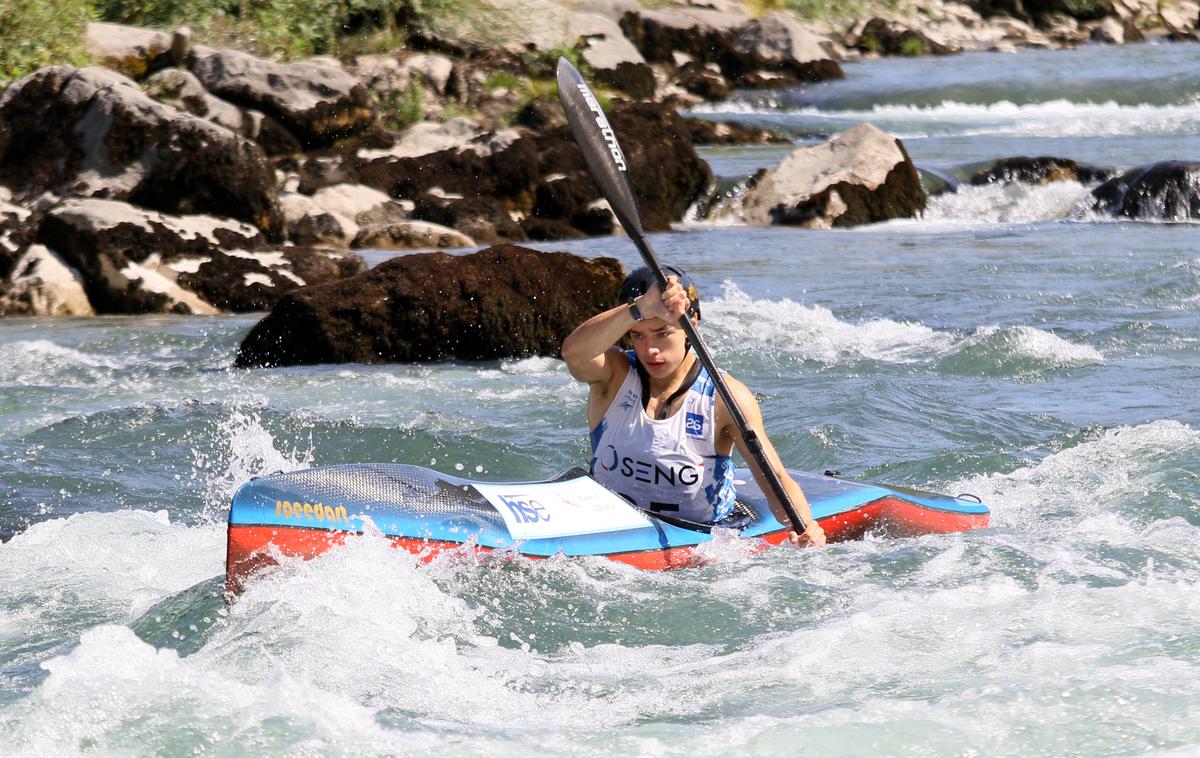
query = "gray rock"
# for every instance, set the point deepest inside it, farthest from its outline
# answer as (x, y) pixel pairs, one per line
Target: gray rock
(318, 103)
(613, 58)
(777, 41)
(861, 176)
(183, 90)
(126, 49)
(309, 224)
(1114, 31)
(410, 234)
(428, 137)
(93, 132)
(390, 73)
(358, 202)
(42, 284)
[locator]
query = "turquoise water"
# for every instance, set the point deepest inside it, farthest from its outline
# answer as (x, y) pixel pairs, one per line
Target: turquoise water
(1006, 345)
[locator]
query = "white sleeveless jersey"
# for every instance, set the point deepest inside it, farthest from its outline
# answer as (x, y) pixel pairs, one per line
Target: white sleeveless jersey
(671, 465)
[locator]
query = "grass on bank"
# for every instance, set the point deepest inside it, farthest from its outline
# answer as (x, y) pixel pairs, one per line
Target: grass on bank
(36, 33)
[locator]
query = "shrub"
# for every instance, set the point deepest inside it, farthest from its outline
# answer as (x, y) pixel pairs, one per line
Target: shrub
(36, 33)
(912, 45)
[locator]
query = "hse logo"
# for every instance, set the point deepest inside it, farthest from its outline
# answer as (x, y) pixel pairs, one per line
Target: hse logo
(605, 130)
(312, 512)
(526, 511)
(695, 424)
(648, 472)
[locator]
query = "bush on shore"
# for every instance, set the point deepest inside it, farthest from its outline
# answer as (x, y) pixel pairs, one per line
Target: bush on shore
(36, 33)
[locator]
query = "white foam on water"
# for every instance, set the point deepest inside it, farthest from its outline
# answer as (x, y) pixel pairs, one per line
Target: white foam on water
(1051, 118)
(1011, 203)
(1035, 344)
(66, 575)
(414, 647)
(241, 449)
(814, 333)
(116, 695)
(39, 362)
(1084, 480)
(129, 557)
(536, 366)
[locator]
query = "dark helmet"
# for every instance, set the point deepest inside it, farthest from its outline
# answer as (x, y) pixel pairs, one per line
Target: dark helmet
(643, 279)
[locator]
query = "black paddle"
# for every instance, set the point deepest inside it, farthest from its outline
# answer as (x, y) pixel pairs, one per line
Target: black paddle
(608, 167)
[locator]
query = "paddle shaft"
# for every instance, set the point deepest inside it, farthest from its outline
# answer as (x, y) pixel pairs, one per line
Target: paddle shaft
(607, 164)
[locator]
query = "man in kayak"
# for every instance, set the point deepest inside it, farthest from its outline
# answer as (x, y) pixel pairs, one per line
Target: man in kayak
(661, 436)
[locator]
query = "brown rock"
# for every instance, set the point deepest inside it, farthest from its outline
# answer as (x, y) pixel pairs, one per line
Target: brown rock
(1042, 170)
(502, 302)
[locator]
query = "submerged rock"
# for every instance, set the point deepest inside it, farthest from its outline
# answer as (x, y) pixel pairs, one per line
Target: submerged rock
(502, 302)
(1165, 191)
(1040, 170)
(863, 175)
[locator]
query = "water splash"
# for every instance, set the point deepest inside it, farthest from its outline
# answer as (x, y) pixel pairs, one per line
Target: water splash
(241, 449)
(1096, 476)
(1051, 119)
(785, 327)
(1011, 203)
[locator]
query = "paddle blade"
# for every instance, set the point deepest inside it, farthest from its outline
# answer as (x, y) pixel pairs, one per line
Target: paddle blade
(599, 144)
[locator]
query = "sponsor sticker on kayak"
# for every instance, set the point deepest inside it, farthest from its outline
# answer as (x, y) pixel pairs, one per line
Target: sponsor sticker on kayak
(560, 509)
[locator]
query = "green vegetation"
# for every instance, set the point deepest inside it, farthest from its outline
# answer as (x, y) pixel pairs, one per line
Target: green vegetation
(36, 33)
(400, 110)
(911, 46)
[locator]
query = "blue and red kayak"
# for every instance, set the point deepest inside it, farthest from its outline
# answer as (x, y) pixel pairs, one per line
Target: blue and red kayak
(304, 513)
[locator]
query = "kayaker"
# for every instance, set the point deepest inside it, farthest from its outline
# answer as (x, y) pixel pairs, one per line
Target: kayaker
(661, 436)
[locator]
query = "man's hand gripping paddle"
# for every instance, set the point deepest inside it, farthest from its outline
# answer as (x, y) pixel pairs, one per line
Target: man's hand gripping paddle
(608, 167)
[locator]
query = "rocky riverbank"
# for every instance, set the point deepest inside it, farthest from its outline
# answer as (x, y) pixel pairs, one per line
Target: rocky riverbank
(179, 177)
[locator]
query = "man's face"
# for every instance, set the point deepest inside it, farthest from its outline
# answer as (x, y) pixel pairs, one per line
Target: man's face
(660, 346)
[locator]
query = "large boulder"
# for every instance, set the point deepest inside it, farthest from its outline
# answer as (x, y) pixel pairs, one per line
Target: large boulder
(611, 57)
(132, 260)
(181, 89)
(42, 284)
(319, 103)
(667, 174)
(1165, 191)
(777, 42)
(502, 302)
(861, 176)
(700, 33)
(93, 132)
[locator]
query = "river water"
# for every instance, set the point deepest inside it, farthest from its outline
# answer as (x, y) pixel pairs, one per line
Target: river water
(1008, 344)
